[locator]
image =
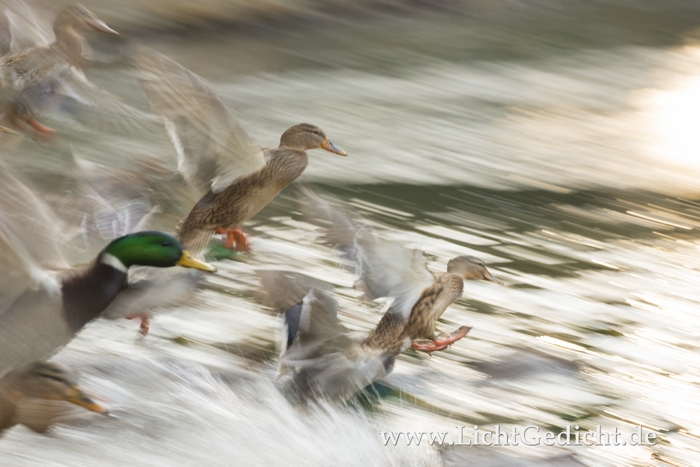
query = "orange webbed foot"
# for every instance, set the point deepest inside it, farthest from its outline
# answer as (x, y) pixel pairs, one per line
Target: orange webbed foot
(145, 321)
(235, 239)
(442, 343)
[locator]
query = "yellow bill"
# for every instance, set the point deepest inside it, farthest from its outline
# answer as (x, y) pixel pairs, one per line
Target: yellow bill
(188, 261)
(78, 397)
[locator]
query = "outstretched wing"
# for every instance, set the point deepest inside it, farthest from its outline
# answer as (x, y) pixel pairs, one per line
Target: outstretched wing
(28, 228)
(22, 28)
(64, 94)
(384, 269)
(213, 149)
(321, 353)
(284, 289)
(312, 329)
(29, 238)
(339, 229)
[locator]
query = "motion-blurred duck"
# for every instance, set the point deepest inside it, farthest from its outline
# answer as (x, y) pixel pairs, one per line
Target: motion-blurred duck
(386, 269)
(28, 76)
(216, 153)
(39, 380)
(43, 301)
(322, 359)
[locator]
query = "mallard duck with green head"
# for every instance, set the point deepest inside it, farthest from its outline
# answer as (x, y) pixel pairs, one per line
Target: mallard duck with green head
(48, 381)
(43, 301)
(216, 154)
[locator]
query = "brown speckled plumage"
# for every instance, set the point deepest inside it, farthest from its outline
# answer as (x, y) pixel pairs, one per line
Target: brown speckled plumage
(243, 199)
(394, 333)
(214, 151)
(24, 75)
(389, 269)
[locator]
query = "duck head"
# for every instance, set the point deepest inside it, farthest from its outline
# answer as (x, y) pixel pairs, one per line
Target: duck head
(65, 27)
(470, 268)
(153, 248)
(78, 17)
(305, 136)
(49, 380)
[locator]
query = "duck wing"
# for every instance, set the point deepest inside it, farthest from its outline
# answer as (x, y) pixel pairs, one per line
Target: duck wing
(324, 359)
(21, 27)
(335, 376)
(284, 289)
(339, 228)
(58, 91)
(387, 269)
(28, 240)
(30, 295)
(313, 325)
(213, 148)
(151, 288)
(384, 269)
(29, 232)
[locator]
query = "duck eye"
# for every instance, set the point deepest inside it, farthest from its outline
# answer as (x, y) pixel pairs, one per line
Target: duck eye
(167, 243)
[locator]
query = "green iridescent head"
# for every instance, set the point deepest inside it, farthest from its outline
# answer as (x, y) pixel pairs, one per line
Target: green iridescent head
(153, 248)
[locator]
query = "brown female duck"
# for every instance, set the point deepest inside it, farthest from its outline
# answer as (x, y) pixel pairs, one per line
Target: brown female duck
(39, 380)
(28, 76)
(387, 269)
(215, 153)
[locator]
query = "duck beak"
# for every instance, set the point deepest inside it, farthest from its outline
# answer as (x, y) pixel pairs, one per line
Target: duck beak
(188, 261)
(100, 26)
(78, 397)
(328, 146)
(489, 277)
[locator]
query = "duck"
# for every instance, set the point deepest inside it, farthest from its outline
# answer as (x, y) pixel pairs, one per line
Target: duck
(44, 301)
(216, 154)
(388, 269)
(319, 358)
(44, 380)
(48, 81)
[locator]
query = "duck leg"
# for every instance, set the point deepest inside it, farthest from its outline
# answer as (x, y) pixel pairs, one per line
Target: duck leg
(35, 128)
(441, 343)
(235, 239)
(145, 321)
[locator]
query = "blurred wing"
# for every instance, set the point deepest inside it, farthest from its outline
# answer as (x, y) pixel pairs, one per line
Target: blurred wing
(386, 269)
(313, 328)
(24, 28)
(28, 244)
(112, 202)
(284, 289)
(339, 227)
(151, 288)
(335, 376)
(65, 95)
(213, 149)
(27, 227)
